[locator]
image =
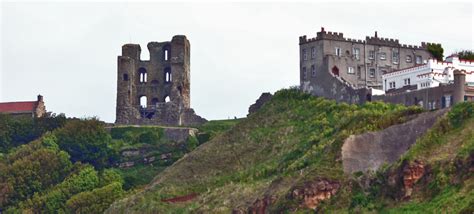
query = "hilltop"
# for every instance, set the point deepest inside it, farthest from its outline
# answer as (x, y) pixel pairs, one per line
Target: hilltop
(287, 156)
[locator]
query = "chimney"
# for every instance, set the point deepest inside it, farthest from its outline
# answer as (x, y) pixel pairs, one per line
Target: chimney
(40, 98)
(322, 29)
(375, 34)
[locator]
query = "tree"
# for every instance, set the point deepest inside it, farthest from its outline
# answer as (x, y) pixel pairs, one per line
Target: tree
(86, 141)
(436, 50)
(466, 55)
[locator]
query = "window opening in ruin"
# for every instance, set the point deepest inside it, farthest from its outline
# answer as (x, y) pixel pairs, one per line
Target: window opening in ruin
(142, 75)
(166, 55)
(313, 52)
(313, 71)
(143, 101)
(125, 77)
(167, 99)
(335, 70)
(338, 51)
(168, 77)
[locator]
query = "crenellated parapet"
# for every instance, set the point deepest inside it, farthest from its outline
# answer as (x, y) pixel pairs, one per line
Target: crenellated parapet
(370, 40)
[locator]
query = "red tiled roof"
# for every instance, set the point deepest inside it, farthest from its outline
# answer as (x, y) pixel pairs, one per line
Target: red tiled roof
(18, 106)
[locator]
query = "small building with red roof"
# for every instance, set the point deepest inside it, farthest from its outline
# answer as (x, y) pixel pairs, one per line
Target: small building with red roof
(24, 108)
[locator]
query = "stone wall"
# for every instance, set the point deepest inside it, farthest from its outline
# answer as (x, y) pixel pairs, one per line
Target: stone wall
(371, 150)
(163, 82)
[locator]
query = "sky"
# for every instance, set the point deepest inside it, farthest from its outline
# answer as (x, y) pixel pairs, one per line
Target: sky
(67, 52)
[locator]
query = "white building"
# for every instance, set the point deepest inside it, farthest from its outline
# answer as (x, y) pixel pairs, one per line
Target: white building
(428, 75)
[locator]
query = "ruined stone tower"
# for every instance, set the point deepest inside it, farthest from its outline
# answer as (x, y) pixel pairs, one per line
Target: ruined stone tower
(156, 91)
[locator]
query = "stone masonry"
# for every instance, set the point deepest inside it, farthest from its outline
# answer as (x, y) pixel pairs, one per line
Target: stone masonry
(344, 69)
(156, 91)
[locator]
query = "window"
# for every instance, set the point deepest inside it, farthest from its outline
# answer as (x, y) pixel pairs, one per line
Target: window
(395, 56)
(350, 70)
(142, 75)
(371, 54)
(143, 101)
(168, 77)
(407, 81)
(313, 52)
(304, 73)
(408, 59)
(125, 77)
(167, 99)
(372, 72)
(305, 56)
(359, 73)
(166, 53)
(356, 53)
(338, 51)
(313, 71)
(418, 60)
(392, 85)
(383, 56)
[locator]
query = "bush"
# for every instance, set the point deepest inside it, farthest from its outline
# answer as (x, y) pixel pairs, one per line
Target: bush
(95, 201)
(87, 141)
(460, 113)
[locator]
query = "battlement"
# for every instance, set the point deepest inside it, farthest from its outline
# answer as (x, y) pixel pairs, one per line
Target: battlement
(372, 40)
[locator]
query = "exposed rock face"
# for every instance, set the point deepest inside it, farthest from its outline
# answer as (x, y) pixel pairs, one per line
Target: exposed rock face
(370, 150)
(264, 98)
(312, 193)
(411, 174)
(260, 206)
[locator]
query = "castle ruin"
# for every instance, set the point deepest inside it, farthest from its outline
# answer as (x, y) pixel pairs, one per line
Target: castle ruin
(155, 91)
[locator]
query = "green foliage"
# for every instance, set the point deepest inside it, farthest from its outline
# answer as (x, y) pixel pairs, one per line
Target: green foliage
(33, 168)
(436, 50)
(460, 113)
(149, 137)
(466, 55)
(214, 128)
(95, 201)
(54, 200)
(15, 131)
(87, 141)
(109, 176)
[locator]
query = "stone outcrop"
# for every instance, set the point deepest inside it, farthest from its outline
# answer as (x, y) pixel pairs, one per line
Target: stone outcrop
(264, 98)
(370, 150)
(312, 193)
(411, 174)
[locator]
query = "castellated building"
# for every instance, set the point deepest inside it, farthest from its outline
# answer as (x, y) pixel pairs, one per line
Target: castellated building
(348, 70)
(156, 91)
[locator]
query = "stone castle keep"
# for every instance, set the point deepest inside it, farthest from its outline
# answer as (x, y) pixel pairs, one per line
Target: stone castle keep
(157, 91)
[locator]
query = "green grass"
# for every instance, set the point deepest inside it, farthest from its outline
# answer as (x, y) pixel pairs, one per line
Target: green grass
(293, 138)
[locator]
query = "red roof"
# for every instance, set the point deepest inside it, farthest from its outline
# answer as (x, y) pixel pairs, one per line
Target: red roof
(18, 106)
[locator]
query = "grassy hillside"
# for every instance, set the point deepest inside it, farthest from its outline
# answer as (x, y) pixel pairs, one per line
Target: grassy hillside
(292, 140)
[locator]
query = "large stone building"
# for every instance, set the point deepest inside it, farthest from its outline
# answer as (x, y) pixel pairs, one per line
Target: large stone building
(155, 91)
(346, 69)
(27, 109)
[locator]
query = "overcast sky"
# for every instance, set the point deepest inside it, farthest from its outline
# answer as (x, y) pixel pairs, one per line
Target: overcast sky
(68, 51)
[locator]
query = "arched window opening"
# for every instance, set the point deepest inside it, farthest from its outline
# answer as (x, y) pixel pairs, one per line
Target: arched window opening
(167, 99)
(335, 70)
(125, 77)
(168, 77)
(142, 75)
(166, 55)
(143, 101)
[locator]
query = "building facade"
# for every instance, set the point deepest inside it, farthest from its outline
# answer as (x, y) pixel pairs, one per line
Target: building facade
(356, 65)
(429, 75)
(26, 109)
(155, 91)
